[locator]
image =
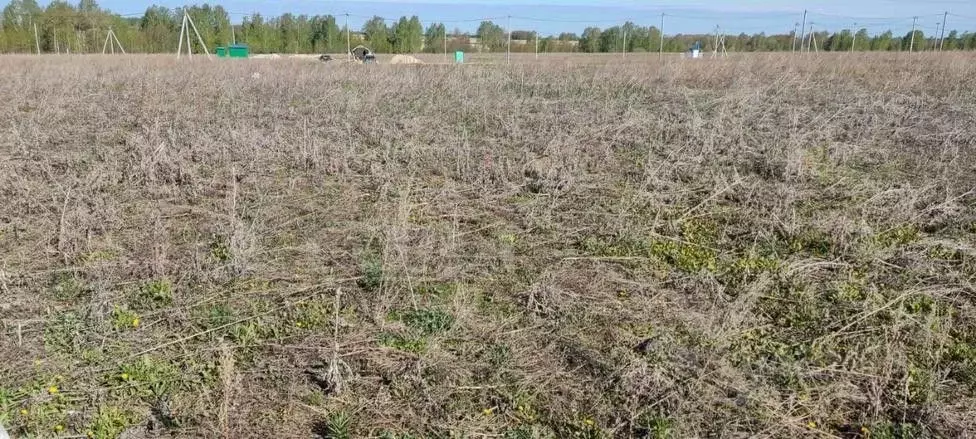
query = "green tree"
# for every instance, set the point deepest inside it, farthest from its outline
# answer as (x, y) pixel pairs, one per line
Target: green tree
(58, 26)
(435, 37)
(407, 35)
(882, 42)
(159, 28)
(377, 35)
(590, 42)
(19, 17)
(326, 35)
(611, 40)
(492, 36)
(918, 44)
(862, 40)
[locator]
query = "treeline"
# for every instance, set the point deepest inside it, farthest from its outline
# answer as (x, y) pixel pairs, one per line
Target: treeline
(62, 27)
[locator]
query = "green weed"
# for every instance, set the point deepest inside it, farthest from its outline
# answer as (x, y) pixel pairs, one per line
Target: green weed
(428, 321)
(62, 334)
(372, 274)
(898, 236)
(220, 248)
(146, 378)
(337, 426)
(404, 343)
(155, 294)
(110, 422)
(123, 319)
(68, 288)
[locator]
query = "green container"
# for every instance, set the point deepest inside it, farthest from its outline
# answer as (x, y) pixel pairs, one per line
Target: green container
(238, 51)
(459, 57)
(220, 52)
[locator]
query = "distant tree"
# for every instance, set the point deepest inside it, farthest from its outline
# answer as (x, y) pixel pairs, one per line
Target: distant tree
(434, 38)
(377, 34)
(590, 42)
(839, 42)
(159, 27)
(326, 35)
(862, 40)
(611, 39)
(523, 35)
(407, 35)
(919, 41)
(492, 36)
(58, 25)
(882, 42)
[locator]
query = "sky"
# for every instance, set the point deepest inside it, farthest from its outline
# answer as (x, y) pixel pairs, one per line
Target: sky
(551, 17)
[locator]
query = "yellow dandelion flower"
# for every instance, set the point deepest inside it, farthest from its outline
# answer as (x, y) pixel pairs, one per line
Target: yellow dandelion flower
(488, 411)
(58, 427)
(589, 422)
(23, 412)
(125, 376)
(135, 322)
(811, 424)
(90, 433)
(52, 390)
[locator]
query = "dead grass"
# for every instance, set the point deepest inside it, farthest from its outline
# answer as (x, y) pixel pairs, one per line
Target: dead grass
(760, 246)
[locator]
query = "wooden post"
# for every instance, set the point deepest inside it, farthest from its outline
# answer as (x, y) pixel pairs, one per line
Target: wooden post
(623, 50)
(116, 37)
(199, 38)
(660, 50)
(942, 36)
(348, 39)
(189, 47)
(509, 39)
(911, 47)
(803, 30)
(37, 40)
(179, 50)
(793, 47)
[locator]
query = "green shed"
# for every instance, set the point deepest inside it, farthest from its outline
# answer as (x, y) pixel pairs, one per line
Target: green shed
(238, 51)
(220, 52)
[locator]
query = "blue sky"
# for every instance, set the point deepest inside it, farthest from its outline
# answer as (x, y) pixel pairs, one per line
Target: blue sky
(687, 16)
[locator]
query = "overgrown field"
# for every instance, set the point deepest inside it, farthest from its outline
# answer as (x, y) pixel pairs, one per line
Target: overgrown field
(764, 246)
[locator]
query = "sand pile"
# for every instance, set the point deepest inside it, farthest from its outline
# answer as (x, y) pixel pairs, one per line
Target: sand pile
(405, 59)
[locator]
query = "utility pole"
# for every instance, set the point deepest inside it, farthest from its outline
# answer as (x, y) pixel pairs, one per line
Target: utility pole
(661, 50)
(509, 39)
(623, 51)
(803, 30)
(942, 36)
(715, 49)
(796, 26)
(813, 39)
(37, 40)
(854, 34)
(348, 39)
(911, 47)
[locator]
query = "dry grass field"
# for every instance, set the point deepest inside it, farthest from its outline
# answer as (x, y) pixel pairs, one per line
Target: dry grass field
(764, 246)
